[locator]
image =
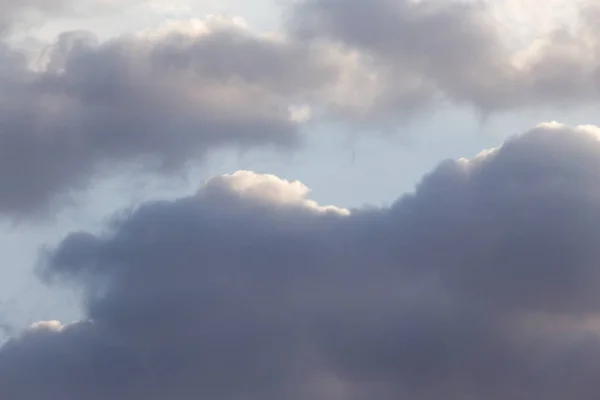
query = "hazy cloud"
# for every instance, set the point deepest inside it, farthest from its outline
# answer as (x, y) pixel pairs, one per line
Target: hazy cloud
(12, 12)
(480, 284)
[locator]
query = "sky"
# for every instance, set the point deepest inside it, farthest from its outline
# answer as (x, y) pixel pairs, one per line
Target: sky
(307, 199)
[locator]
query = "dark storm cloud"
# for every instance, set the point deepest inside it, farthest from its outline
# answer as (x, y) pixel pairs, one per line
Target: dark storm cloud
(480, 284)
(429, 50)
(158, 103)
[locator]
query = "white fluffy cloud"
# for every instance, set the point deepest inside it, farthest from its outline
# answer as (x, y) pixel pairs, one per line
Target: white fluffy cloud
(268, 189)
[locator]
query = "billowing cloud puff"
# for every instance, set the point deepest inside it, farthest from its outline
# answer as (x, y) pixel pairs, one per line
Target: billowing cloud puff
(480, 284)
(158, 102)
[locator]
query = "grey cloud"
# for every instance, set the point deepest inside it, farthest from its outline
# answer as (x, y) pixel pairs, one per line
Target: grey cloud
(429, 51)
(164, 101)
(526, 212)
(442, 44)
(159, 103)
(480, 284)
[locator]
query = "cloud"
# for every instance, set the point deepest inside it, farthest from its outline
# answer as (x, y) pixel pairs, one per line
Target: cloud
(19, 16)
(480, 284)
(162, 99)
(158, 102)
(419, 53)
(12, 11)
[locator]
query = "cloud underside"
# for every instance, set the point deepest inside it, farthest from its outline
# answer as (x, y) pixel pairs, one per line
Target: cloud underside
(163, 99)
(480, 284)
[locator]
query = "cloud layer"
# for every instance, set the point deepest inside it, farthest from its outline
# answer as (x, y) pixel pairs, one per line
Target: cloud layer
(480, 284)
(165, 98)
